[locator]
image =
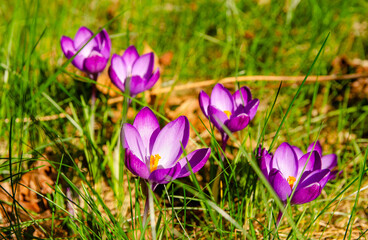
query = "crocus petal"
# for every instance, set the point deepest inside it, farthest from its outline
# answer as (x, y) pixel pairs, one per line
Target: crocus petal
(316, 147)
(239, 110)
(238, 123)
(148, 127)
(265, 162)
(153, 79)
(319, 176)
(133, 141)
(242, 96)
(299, 153)
(95, 63)
(78, 62)
(129, 57)
(285, 160)
(221, 98)
(84, 53)
(217, 117)
(251, 108)
(196, 159)
(104, 43)
(204, 102)
(137, 85)
(306, 194)
(136, 165)
(314, 162)
(333, 175)
(329, 161)
(165, 175)
(170, 141)
(82, 36)
(117, 72)
(279, 184)
(143, 67)
(67, 46)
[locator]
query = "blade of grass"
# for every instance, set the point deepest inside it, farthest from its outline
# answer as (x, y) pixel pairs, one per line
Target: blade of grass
(297, 92)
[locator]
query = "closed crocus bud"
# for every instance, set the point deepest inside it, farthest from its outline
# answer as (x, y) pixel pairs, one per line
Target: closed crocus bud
(94, 56)
(138, 69)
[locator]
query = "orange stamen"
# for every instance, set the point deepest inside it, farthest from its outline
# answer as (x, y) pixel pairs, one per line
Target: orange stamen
(291, 180)
(228, 114)
(154, 162)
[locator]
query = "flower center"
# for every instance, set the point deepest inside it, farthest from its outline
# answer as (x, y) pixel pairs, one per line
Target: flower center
(228, 114)
(154, 162)
(291, 180)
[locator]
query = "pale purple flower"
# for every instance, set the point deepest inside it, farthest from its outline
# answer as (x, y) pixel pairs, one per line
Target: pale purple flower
(139, 69)
(94, 56)
(153, 153)
(232, 111)
(284, 168)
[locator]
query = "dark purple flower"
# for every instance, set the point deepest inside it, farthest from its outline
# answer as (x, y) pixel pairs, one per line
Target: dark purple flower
(94, 56)
(153, 154)
(232, 111)
(284, 168)
(138, 68)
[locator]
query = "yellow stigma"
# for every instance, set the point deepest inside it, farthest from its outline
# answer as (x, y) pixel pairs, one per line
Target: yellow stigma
(228, 114)
(154, 162)
(291, 180)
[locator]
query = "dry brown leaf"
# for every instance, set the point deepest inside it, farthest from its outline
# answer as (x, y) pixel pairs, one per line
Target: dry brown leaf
(166, 58)
(39, 180)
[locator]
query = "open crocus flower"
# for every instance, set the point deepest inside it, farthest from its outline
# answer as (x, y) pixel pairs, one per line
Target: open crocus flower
(284, 168)
(94, 56)
(153, 154)
(232, 111)
(139, 69)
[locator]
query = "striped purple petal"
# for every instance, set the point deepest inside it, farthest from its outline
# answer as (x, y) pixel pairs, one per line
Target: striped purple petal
(242, 96)
(133, 141)
(316, 146)
(129, 57)
(67, 46)
(285, 160)
(238, 123)
(306, 194)
(279, 184)
(204, 102)
(148, 127)
(197, 159)
(95, 63)
(170, 142)
(117, 72)
(221, 98)
(329, 161)
(143, 66)
(165, 175)
(136, 165)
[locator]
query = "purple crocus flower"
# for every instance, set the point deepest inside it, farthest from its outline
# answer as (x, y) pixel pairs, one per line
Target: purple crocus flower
(139, 69)
(232, 111)
(284, 168)
(152, 153)
(94, 56)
